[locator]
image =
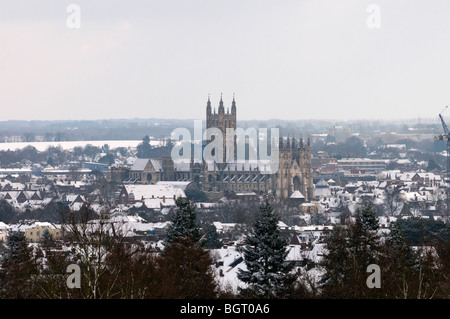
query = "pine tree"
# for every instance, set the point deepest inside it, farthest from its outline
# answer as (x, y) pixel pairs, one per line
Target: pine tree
(398, 265)
(366, 216)
(54, 268)
(212, 238)
(363, 238)
(267, 274)
(350, 249)
(144, 148)
(336, 263)
(184, 266)
(47, 238)
(396, 240)
(184, 271)
(183, 223)
(19, 268)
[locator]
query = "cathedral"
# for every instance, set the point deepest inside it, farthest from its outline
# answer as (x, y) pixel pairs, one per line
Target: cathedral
(294, 172)
(293, 179)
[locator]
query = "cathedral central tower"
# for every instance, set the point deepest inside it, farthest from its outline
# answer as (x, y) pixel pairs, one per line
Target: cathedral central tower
(222, 120)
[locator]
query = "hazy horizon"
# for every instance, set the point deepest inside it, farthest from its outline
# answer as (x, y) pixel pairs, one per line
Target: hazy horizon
(405, 120)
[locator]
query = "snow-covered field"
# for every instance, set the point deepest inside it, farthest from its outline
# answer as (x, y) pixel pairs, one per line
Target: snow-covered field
(42, 146)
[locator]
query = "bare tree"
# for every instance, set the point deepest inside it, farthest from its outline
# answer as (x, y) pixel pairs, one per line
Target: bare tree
(392, 199)
(93, 240)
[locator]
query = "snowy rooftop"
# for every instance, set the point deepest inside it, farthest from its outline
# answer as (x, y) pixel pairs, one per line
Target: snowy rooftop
(297, 194)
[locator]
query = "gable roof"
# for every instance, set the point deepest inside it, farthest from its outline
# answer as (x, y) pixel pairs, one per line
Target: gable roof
(139, 164)
(157, 165)
(322, 183)
(294, 240)
(297, 194)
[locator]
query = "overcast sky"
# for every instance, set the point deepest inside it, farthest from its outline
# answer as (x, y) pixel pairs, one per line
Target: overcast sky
(299, 59)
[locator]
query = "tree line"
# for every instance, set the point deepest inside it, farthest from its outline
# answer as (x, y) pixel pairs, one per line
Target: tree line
(112, 265)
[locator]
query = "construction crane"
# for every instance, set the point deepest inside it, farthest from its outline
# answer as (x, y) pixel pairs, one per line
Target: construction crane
(446, 137)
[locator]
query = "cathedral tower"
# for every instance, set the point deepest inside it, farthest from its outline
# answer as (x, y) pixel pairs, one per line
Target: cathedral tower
(222, 120)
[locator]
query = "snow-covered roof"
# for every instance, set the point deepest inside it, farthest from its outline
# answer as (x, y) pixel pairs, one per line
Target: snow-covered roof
(154, 191)
(282, 224)
(14, 186)
(322, 183)
(182, 185)
(47, 225)
(295, 253)
(246, 193)
(157, 203)
(157, 164)
(223, 227)
(297, 194)
(316, 253)
(139, 164)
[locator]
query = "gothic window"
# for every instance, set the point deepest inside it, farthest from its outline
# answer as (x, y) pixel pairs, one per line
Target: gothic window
(296, 182)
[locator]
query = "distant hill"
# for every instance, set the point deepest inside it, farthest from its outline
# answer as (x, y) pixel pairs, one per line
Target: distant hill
(136, 129)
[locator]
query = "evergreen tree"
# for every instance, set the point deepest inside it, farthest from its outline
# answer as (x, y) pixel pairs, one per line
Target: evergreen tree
(184, 271)
(267, 274)
(184, 266)
(19, 269)
(398, 264)
(196, 195)
(396, 240)
(366, 216)
(47, 238)
(183, 223)
(350, 249)
(55, 264)
(212, 238)
(364, 240)
(144, 148)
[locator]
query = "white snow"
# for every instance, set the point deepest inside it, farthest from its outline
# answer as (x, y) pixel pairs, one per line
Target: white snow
(229, 278)
(42, 146)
